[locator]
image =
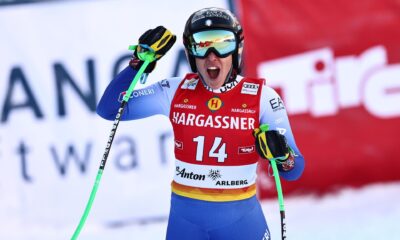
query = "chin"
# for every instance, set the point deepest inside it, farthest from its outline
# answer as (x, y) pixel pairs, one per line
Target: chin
(216, 83)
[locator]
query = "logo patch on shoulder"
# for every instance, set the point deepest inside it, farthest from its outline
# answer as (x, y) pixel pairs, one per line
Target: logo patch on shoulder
(250, 88)
(190, 84)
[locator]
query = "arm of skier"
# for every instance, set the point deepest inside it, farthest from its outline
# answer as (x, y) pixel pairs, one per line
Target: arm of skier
(148, 101)
(274, 114)
(145, 102)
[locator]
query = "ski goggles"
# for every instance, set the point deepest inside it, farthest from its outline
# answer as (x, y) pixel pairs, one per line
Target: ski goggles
(221, 42)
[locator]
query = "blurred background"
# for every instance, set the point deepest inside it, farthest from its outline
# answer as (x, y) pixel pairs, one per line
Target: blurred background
(335, 64)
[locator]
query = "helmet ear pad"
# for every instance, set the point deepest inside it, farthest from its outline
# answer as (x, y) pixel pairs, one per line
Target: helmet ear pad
(235, 62)
(237, 55)
(191, 60)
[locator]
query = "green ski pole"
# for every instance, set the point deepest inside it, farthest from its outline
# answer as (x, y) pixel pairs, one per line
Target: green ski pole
(280, 198)
(264, 128)
(147, 57)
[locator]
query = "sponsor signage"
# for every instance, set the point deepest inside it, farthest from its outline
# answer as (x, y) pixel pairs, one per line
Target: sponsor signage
(341, 90)
(51, 139)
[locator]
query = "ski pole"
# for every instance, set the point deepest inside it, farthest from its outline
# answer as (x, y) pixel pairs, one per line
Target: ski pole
(148, 57)
(280, 198)
(264, 128)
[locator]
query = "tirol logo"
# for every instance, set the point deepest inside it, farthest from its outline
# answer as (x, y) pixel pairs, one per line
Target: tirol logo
(365, 80)
(178, 144)
(246, 149)
(214, 104)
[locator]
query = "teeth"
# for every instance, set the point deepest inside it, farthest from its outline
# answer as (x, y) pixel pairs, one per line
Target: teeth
(212, 68)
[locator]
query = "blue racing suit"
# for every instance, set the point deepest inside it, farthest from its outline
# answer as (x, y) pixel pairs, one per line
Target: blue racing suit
(213, 197)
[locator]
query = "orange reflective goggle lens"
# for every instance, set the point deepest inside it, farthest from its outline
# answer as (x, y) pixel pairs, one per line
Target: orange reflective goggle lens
(221, 42)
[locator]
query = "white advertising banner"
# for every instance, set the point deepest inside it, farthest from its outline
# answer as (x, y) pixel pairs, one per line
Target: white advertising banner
(56, 58)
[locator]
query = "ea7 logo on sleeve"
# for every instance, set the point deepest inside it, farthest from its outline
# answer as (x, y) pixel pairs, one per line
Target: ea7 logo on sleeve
(276, 104)
(250, 88)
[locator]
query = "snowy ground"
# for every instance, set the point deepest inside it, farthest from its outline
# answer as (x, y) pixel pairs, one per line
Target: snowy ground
(369, 213)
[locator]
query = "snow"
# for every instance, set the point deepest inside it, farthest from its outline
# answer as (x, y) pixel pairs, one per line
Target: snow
(368, 213)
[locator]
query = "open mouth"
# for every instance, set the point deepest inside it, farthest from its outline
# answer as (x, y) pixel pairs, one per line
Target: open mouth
(213, 72)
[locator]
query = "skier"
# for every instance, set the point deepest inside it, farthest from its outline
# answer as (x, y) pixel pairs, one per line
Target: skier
(214, 114)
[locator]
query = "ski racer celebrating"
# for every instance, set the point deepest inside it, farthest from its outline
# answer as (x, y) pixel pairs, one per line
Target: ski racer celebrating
(214, 112)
